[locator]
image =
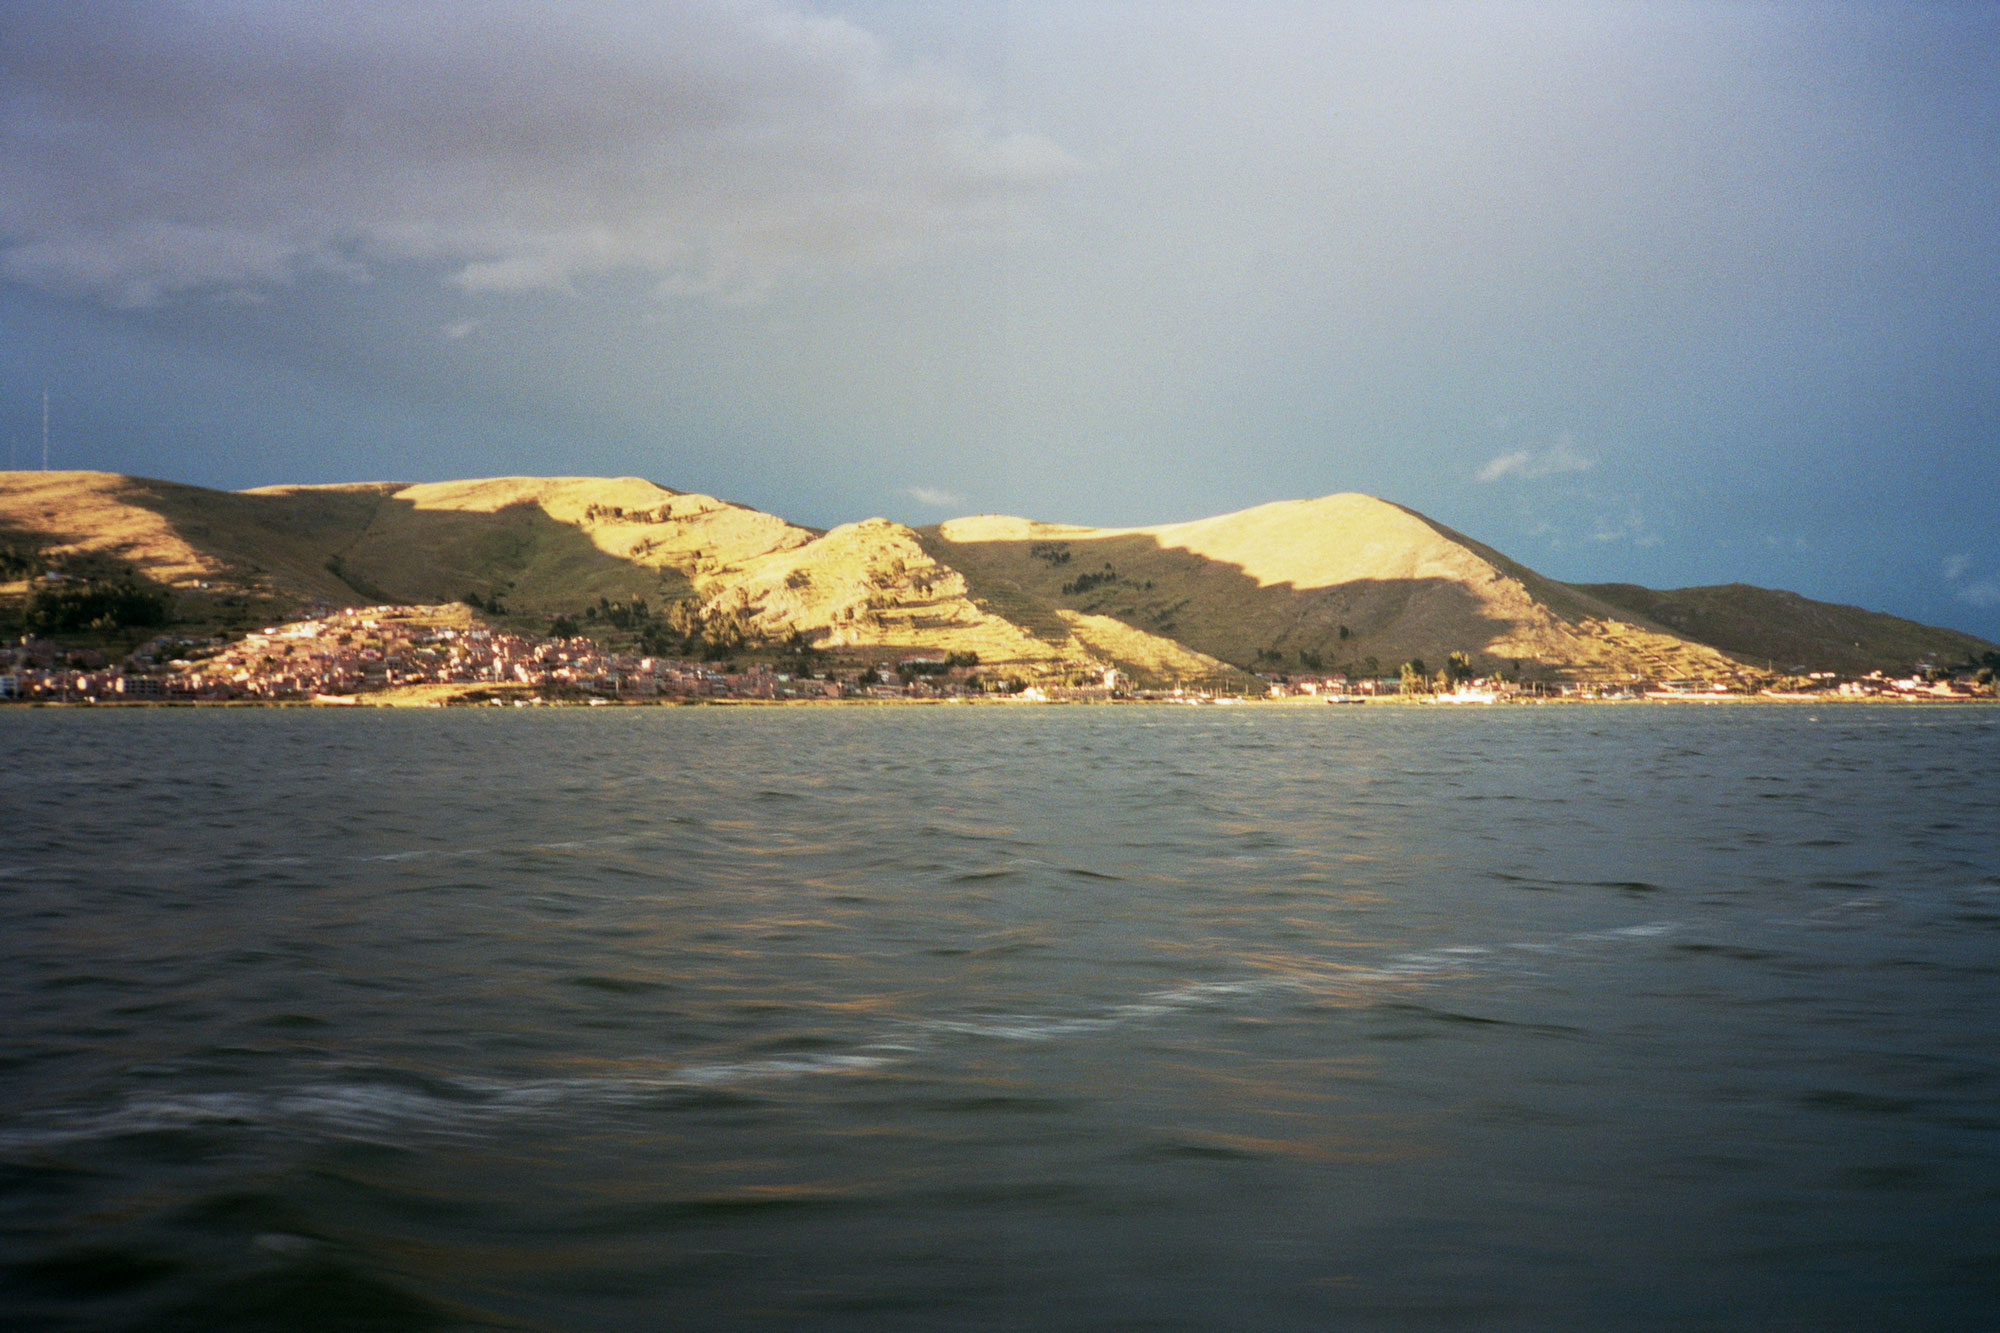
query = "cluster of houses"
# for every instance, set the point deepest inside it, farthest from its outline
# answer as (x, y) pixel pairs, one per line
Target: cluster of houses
(335, 655)
(1481, 689)
(1926, 684)
(344, 655)
(1875, 685)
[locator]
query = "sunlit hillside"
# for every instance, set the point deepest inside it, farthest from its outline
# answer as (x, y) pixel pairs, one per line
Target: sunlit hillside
(182, 536)
(545, 545)
(1338, 581)
(554, 546)
(1342, 583)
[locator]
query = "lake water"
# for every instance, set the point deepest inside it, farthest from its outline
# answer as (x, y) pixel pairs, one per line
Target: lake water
(1340, 1018)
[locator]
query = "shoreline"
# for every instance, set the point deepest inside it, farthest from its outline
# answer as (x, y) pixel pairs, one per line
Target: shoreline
(363, 702)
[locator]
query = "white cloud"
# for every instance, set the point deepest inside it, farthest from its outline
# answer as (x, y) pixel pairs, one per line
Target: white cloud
(1631, 527)
(712, 146)
(932, 496)
(1504, 464)
(1981, 592)
(461, 329)
(1559, 457)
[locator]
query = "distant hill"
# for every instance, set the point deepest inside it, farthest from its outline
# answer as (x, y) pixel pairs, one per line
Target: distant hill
(1786, 631)
(1346, 582)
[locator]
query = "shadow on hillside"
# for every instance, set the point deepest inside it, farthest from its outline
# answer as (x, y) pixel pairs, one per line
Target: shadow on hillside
(364, 545)
(1783, 630)
(1215, 607)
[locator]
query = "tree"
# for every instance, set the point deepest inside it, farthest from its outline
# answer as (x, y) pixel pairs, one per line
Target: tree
(102, 607)
(20, 561)
(797, 645)
(684, 619)
(725, 634)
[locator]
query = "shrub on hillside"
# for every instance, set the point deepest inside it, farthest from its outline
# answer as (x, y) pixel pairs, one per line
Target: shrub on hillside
(57, 607)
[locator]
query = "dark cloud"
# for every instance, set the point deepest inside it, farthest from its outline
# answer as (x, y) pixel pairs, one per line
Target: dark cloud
(1620, 289)
(151, 147)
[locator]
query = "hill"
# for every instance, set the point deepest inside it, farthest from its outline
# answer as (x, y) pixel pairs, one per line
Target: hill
(388, 542)
(1337, 582)
(1341, 583)
(542, 548)
(1787, 632)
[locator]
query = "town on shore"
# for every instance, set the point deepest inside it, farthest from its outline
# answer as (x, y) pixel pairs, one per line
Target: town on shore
(439, 655)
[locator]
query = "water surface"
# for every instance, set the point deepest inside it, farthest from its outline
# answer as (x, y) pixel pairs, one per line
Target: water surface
(1601, 1017)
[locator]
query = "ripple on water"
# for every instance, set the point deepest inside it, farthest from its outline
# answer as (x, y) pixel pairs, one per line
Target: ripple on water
(956, 1017)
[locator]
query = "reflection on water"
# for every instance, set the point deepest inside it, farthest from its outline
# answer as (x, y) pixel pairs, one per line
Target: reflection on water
(944, 1018)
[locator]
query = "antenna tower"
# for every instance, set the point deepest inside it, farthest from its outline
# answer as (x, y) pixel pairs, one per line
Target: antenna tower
(45, 428)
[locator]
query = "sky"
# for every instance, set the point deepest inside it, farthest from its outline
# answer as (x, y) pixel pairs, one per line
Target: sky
(1667, 294)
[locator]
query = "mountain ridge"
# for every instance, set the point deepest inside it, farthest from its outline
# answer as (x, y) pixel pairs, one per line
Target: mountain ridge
(1344, 582)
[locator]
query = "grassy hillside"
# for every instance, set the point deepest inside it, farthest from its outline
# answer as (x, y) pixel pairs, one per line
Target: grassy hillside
(1345, 582)
(876, 588)
(184, 535)
(546, 544)
(1336, 581)
(543, 547)
(1787, 631)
